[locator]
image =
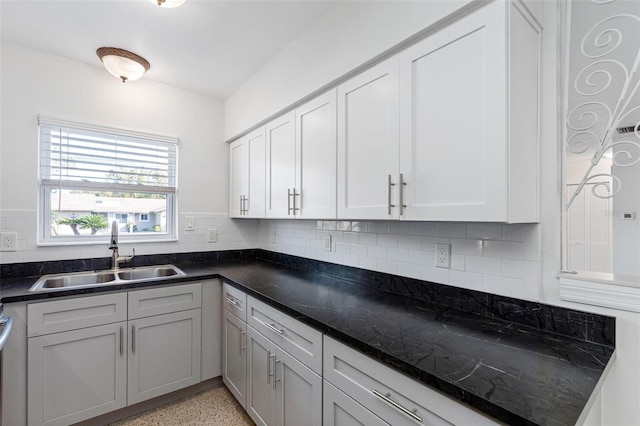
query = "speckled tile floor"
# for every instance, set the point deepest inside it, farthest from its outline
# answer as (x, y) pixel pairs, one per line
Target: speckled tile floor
(216, 407)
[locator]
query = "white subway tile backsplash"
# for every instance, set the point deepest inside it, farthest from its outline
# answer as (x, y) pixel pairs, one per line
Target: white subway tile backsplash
(497, 258)
(485, 231)
(409, 242)
(512, 268)
(513, 232)
(425, 229)
(379, 227)
(342, 247)
(466, 247)
(410, 270)
(387, 266)
(468, 280)
(451, 229)
(503, 286)
(503, 249)
(388, 240)
(398, 254)
(367, 263)
(400, 228)
(359, 249)
(377, 252)
(458, 262)
(438, 275)
(368, 239)
(483, 265)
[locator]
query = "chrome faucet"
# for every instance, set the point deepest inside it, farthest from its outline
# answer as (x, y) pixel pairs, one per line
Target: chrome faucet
(116, 259)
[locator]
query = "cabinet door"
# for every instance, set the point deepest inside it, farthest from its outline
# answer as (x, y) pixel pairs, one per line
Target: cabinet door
(234, 356)
(261, 391)
(238, 176)
(340, 410)
(164, 354)
(76, 375)
(453, 151)
(368, 143)
(316, 158)
(299, 392)
(281, 162)
(254, 204)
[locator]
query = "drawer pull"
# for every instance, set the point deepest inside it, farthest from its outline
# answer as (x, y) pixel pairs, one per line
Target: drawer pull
(269, 372)
(240, 347)
(275, 372)
(386, 398)
(274, 328)
(230, 300)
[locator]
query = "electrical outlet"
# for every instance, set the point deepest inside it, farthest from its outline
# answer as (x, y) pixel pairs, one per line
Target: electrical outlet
(212, 235)
(443, 255)
(8, 241)
(327, 242)
(273, 236)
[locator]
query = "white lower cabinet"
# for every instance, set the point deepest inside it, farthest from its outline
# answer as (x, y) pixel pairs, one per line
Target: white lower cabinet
(85, 359)
(234, 356)
(76, 375)
(280, 389)
(164, 354)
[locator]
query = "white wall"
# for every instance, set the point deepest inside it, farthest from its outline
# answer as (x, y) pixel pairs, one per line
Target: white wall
(33, 82)
(348, 35)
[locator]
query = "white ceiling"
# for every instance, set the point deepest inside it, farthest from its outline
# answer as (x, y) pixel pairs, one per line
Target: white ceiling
(206, 46)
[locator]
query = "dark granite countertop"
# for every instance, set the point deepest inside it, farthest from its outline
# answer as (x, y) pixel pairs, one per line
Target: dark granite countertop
(512, 372)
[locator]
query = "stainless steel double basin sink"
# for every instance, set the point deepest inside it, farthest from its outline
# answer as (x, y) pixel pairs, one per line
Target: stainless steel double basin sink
(79, 280)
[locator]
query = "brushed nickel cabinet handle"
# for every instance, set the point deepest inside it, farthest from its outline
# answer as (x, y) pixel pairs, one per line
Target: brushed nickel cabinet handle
(389, 185)
(274, 328)
(268, 365)
(240, 347)
(275, 372)
(121, 341)
(133, 339)
(288, 201)
(402, 185)
(232, 301)
(295, 194)
(386, 398)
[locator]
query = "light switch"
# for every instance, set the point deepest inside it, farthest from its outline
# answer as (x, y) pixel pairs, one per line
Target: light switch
(189, 223)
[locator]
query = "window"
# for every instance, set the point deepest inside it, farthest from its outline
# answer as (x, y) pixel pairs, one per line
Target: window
(91, 176)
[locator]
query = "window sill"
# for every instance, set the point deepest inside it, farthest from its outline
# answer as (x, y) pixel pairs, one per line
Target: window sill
(601, 289)
(122, 242)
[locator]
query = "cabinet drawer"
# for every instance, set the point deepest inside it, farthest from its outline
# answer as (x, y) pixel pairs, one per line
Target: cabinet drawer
(339, 409)
(300, 340)
(235, 301)
(163, 300)
(76, 313)
(390, 395)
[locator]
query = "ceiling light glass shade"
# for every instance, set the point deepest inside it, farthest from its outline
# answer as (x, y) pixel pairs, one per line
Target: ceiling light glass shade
(123, 64)
(168, 3)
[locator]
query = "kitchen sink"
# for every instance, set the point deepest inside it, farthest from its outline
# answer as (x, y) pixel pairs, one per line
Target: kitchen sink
(149, 273)
(104, 278)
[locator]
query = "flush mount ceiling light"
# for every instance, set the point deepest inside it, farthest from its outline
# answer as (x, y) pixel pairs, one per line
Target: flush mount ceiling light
(168, 3)
(123, 64)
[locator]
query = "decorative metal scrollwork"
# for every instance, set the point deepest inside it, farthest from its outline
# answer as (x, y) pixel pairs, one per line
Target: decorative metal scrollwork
(608, 73)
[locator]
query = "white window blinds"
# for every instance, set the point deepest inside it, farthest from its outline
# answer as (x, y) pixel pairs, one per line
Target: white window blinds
(79, 156)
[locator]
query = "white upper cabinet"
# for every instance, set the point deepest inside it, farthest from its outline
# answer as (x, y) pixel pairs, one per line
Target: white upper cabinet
(247, 176)
(316, 158)
(460, 156)
(445, 130)
(301, 161)
(368, 143)
(281, 165)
